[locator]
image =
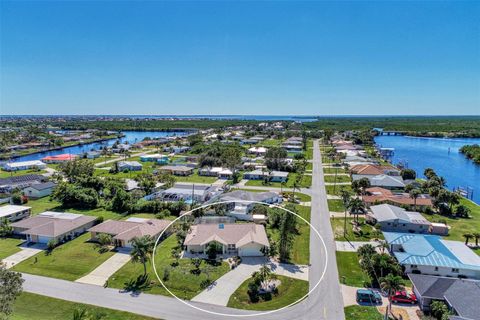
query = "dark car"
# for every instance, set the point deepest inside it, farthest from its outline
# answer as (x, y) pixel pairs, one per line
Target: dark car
(403, 297)
(367, 295)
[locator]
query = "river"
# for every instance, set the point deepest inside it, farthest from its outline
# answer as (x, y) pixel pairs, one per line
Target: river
(440, 154)
(130, 136)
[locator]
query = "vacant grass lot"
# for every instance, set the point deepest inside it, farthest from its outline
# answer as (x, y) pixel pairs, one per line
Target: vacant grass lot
(335, 205)
(69, 261)
(305, 183)
(339, 178)
(8, 174)
(181, 281)
(349, 271)
(30, 306)
(362, 313)
(9, 246)
(368, 231)
(335, 190)
(301, 196)
(332, 170)
(460, 226)
(196, 178)
(289, 291)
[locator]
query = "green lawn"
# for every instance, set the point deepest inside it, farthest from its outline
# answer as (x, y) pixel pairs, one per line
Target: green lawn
(460, 226)
(309, 154)
(305, 183)
(330, 189)
(335, 205)
(182, 282)
(8, 174)
(349, 271)
(289, 291)
(270, 143)
(300, 253)
(196, 178)
(69, 261)
(340, 178)
(332, 170)
(362, 313)
(309, 166)
(9, 246)
(30, 306)
(368, 230)
(301, 196)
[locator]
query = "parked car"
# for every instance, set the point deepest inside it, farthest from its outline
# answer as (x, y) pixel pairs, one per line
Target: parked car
(367, 295)
(404, 297)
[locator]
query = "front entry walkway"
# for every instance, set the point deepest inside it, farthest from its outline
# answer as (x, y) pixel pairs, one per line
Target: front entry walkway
(104, 271)
(25, 253)
(220, 291)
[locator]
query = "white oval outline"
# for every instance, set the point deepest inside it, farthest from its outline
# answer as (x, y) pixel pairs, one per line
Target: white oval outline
(248, 314)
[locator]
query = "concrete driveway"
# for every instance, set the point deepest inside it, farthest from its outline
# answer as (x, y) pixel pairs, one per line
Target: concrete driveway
(104, 271)
(25, 253)
(352, 246)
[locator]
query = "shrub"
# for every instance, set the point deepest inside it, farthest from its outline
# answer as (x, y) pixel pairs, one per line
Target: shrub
(166, 274)
(253, 292)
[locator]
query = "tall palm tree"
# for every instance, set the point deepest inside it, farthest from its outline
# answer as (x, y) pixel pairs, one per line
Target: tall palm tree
(346, 198)
(356, 206)
(383, 245)
(476, 235)
(391, 284)
(142, 250)
(414, 194)
(467, 237)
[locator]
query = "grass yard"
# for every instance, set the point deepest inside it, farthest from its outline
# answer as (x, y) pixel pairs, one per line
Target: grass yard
(368, 231)
(349, 271)
(9, 246)
(305, 183)
(301, 196)
(309, 154)
(196, 178)
(270, 143)
(340, 178)
(69, 261)
(300, 253)
(335, 205)
(181, 282)
(362, 313)
(289, 291)
(33, 306)
(309, 166)
(460, 226)
(332, 170)
(335, 190)
(8, 174)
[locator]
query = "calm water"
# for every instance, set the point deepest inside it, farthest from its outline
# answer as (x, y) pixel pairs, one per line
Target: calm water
(440, 154)
(130, 136)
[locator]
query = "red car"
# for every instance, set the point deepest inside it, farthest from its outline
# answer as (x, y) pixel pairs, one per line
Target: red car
(403, 297)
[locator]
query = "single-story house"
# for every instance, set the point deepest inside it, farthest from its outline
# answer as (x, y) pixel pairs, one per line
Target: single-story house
(249, 141)
(93, 154)
(244, 240)
(374, 170)
(177, 170)
(14, 213)
(59, 158)
(431, 255)
(24, 165)
(462, 296)
(123, 232)
(242, 210)
(176, 149)
(259, 151)
(20, 182)
(397, 219)
(292, 148)
(189, 192)
(382, 180)
(39, 190)
(129, 166)
(274, 176)
(159, 158)
(219, 172)
(377, 195)
(58, 226)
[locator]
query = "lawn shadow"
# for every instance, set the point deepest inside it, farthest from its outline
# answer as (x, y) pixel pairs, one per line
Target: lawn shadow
(137, 285)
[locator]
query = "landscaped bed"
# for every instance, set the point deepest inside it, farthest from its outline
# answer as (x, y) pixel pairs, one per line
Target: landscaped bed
(9, 246)
(69, 261)
(368, 231)
(30, 306)
(181, 281)
(349, 270)
(289, 291)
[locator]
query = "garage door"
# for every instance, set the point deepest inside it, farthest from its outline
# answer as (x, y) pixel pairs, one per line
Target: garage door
(250, 252)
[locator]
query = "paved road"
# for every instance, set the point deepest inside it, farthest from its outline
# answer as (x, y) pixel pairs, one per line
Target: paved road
(325, 303)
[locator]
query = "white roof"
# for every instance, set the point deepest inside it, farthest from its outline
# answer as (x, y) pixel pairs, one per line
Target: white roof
(10, 209)
(61, 215)
(258, 149)
(25, 163)
(462, 252)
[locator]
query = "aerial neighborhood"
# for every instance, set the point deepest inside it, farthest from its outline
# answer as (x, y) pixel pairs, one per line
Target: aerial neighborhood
(229, 217)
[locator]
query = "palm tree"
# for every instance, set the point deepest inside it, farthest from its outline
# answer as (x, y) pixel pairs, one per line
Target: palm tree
(391, 284)
(346, 198)
(414, 194)
(383, 245)
(356, 205)
(142, 250)
(467, 237)
(476, 235)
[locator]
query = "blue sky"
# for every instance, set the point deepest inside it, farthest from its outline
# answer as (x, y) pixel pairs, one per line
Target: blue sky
(299, 58)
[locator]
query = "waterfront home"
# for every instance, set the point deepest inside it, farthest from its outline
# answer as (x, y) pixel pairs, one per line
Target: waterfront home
(189, 193)
(258, 151)
(221, 173)
(241, 208)
(462, 296)
(273, 176)
(129, 166)
(244, 240)
(431, 255)
(59, 158)
(158, 158)
(377, 195)
(176, 149)
(382, 180)
(92, 154)
(177, 170)
(39, 190)
(292, 148)
(123, 232)
(24, 165)
(373, 170)
(248, 141)
(20, 182)
(396, 219)
(14, 213)
(56, 226)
